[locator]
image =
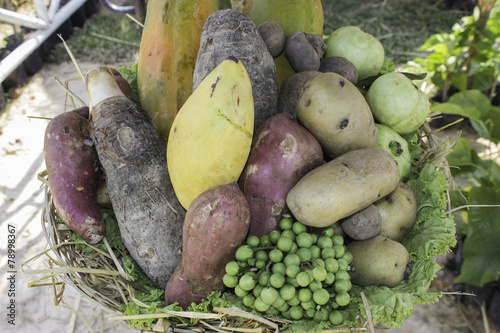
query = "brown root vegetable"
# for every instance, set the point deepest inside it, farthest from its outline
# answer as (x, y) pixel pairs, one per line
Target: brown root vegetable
(378, 261)
(273, 35)
(229, 33)
(216, 224)
(364, 224)
(72, 171)
(300, 53)
(317, 43)
(341, 66)
(398, 211)
(343, 186)
(282, 153)
(290, 91)
(133, 157)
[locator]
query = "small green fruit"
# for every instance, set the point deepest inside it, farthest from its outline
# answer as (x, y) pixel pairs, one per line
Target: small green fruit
(390, 140)
(359, 47)
(396, 102)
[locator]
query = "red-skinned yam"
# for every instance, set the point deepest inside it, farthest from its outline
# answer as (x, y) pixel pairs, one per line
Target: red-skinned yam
(216, 224)
(72, 171)
(282, 153)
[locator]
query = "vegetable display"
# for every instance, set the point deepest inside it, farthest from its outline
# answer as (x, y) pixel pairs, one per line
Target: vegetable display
(296, 203)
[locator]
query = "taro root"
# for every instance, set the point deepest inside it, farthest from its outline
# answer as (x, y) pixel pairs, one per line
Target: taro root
(341, 66)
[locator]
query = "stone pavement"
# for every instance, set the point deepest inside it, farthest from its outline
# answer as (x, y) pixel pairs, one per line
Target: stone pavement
(21, 201)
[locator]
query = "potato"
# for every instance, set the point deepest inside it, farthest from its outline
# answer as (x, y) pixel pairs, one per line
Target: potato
(378, 261)
(398, 211)
(364, 224)
(274, 37)
(216, 224)
(317, 43)
(341, 66)
(282, 153)
(337, 114)
(300, 53)
(343, 186)
(290, 91)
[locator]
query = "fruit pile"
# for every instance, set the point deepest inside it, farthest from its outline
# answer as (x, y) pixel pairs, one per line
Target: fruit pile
(288, 178)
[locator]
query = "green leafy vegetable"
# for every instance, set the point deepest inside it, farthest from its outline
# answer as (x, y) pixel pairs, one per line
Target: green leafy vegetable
(130, 75)
(481, 254)
(481, 251)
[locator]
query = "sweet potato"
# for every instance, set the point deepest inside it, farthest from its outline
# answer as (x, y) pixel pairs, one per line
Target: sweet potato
(72, 169)
(229, 33)
(282, 153)
(216, 224)
(133, 156)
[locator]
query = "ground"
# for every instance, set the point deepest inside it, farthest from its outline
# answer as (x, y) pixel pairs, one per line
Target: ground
(22, 197)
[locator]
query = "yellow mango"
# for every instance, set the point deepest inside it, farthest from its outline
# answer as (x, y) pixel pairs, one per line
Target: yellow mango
(211, 136)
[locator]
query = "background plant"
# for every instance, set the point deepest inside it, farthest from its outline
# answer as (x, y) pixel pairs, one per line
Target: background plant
(466, 58)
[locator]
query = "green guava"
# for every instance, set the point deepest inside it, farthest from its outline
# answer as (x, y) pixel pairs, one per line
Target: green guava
(391, 141)
(396, 102)
(359, 47)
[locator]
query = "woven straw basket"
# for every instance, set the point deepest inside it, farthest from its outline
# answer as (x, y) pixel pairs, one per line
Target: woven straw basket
(102, 280)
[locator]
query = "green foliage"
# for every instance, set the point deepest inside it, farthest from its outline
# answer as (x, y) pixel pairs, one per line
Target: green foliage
(451, 62)
(481, 252)
(474, 105)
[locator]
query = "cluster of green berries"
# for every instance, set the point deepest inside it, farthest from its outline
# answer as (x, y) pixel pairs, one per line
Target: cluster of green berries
(295, 273)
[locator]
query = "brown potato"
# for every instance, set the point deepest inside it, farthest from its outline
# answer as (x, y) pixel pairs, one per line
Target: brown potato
(378, 261)
(274, 37)
(337, 114)
(364, 224)
(300, 53)
(343, 186)
(398, 211)
(290, 91)
(341, 66)
(317, 43)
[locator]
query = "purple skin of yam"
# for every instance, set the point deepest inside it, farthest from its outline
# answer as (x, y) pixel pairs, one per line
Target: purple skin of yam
(73, 176)
(216, 224)
(282, 153)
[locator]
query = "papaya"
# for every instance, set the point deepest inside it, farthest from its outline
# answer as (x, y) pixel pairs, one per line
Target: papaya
(167, 55)
(292, 15)
(211, 136)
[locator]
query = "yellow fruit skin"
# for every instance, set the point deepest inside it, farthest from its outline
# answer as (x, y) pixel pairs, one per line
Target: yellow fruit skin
(169, 47)
(211, 136)
(292, 15)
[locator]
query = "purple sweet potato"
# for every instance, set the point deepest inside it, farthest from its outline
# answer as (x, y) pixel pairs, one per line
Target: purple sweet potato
(216, 224)
(282, 153)
(73, 177)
